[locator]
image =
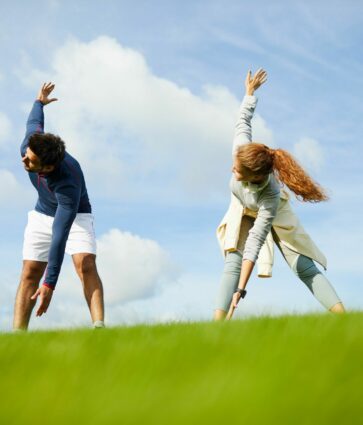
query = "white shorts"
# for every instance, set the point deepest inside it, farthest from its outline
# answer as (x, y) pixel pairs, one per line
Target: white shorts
(38, 236)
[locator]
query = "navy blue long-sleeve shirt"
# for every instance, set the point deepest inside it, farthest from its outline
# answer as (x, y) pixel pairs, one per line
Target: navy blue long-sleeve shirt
(61, 194)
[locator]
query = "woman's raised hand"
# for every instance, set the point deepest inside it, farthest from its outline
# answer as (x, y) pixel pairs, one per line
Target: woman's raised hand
(252, 83)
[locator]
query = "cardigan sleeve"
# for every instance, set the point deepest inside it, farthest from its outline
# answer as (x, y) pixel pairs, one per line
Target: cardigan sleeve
(262, 226)
(243, 129)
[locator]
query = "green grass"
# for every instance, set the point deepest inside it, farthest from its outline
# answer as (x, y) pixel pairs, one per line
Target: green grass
(286, 370)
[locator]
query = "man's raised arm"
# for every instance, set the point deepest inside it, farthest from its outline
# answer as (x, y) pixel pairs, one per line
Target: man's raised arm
(35, 122)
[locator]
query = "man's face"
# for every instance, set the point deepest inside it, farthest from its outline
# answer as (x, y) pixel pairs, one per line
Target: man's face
(31, 162)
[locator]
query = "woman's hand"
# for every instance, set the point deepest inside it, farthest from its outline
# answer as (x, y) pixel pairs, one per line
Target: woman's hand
(235, 299)
(253, 83)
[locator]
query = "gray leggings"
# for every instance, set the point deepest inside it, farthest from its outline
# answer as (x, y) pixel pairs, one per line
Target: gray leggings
(302, 266)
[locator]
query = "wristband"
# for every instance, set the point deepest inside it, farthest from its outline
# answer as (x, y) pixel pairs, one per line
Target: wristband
(242, 292)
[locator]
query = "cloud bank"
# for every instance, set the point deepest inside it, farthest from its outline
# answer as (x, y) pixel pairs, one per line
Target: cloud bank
(5, 129)
(310, 153)
(129, 126)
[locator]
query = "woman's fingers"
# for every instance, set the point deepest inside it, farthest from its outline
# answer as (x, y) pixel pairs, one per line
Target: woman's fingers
(259, 78)
(248, 77)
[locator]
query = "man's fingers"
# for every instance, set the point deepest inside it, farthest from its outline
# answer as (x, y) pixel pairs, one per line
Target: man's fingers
(48, 88)
(40, 311)
(42, 308)
(53, 100)
(34, 297)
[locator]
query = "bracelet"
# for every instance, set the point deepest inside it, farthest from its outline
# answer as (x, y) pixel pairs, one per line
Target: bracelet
(242, 292)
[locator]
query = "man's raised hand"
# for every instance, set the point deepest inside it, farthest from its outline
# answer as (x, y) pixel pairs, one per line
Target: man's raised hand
(44, 92)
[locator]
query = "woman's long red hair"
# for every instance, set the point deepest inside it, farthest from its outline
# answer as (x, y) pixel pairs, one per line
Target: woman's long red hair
(258, 159)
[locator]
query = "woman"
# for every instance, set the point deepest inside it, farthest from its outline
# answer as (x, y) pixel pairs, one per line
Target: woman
(260, 213)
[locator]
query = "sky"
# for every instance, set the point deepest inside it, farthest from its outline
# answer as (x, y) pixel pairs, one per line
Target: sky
(148, 96)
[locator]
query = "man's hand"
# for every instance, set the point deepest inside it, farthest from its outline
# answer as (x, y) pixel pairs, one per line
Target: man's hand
(45, 295)
(44, 93)
(253, 83)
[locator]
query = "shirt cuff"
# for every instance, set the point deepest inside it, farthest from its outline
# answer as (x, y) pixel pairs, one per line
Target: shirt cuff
(250, 256)
(48, 286)
(264, 269)
(249, 100)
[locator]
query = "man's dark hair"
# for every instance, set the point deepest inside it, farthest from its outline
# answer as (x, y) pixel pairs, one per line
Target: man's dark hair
(48, 147)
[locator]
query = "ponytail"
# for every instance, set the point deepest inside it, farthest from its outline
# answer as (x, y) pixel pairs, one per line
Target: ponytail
(289, 172)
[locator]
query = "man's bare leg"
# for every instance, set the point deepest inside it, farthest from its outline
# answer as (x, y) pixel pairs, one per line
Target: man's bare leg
(30, 277)
(86, 269)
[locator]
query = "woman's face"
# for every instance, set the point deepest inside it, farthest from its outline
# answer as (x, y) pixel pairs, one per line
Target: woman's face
(242, 174)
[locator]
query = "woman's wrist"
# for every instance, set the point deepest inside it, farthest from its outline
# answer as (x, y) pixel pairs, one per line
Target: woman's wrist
(242, 292)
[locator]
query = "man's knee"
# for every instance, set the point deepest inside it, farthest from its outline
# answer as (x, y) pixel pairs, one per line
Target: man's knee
(32, 271)
(85, 264)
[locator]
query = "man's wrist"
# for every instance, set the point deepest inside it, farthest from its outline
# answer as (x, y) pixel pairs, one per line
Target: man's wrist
(48, 286)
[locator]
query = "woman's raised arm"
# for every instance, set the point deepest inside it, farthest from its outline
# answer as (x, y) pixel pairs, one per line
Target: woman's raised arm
(243, 130)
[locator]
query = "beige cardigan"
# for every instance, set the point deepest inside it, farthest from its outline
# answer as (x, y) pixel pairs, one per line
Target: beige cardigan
(286, 225)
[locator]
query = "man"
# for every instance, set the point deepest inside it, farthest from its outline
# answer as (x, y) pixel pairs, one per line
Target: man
(61, 222)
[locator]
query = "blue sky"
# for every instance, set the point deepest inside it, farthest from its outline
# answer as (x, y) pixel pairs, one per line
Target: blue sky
(148, 94)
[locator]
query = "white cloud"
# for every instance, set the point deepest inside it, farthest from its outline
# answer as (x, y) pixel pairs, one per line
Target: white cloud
(54, 4)
(11, 191)
(261, 132)
(5, 128)
(132, 267)
(128, 126)
(310, 153)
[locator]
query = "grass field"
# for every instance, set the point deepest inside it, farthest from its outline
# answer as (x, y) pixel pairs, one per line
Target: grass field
(286, 370)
